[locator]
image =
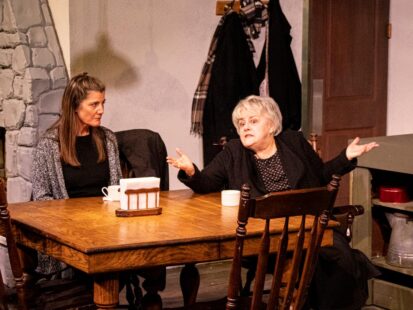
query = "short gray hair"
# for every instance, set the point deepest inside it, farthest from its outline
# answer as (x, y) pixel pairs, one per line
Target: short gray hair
(261, 105)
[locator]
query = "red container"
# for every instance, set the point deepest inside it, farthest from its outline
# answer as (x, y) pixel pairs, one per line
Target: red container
(393, 194)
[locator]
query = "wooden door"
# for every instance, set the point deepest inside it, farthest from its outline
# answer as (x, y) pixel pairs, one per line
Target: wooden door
(348, 53)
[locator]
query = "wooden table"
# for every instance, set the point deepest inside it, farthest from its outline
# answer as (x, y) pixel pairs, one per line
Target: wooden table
(86, 234)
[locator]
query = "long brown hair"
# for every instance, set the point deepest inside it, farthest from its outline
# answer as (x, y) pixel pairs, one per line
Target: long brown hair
(68, 123)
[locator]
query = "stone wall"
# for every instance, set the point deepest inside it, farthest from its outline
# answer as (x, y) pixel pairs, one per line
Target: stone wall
(32, 78)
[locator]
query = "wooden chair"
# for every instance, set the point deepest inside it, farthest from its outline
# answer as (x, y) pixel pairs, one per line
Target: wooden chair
(3, 296)
(343, 214)
(52, 294)
(310, 206)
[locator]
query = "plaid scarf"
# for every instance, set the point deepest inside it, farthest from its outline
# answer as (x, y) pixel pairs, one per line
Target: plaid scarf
(256, 15)
(201, 92)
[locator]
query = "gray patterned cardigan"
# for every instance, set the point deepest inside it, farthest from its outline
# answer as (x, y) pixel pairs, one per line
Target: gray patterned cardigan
(47, 174)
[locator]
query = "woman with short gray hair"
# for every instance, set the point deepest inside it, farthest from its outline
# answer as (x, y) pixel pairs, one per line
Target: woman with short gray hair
(272, 160)
(265, 157)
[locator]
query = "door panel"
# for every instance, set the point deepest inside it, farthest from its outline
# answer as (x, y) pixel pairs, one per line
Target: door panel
(348, 52)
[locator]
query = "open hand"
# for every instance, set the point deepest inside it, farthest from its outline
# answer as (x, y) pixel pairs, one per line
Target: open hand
(355, 150)
(182, 162)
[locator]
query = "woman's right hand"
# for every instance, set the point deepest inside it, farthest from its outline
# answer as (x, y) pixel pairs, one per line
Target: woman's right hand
(182, 162)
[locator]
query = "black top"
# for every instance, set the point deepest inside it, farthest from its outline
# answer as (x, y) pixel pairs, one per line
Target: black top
(235, 165)
(272, 173)
(88, 179)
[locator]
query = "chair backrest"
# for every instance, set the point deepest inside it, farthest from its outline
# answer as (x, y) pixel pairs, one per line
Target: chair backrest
(310, 206)
(143, 154)
(56, 294)
(3, 297)
(313, 140)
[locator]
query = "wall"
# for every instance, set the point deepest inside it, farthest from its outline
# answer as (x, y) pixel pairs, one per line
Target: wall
(400, 107)
(150, 54)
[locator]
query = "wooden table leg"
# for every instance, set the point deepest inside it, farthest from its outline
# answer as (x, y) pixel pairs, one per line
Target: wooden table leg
(106, 290)
(189, 280)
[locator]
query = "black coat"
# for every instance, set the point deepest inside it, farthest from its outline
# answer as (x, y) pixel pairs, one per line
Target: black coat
(284, 82)
(235, 166)
(144, 152)
(233, 77)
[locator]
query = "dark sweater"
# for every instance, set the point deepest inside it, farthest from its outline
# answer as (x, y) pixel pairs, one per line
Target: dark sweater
(88, 179)
(235, 166)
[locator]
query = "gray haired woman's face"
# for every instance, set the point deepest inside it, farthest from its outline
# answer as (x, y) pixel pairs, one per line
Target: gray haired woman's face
(255, 129)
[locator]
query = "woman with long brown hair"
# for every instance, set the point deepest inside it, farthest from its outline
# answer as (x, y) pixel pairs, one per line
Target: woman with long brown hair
(76, 157)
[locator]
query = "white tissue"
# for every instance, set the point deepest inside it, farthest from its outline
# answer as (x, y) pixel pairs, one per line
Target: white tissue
(139, 183)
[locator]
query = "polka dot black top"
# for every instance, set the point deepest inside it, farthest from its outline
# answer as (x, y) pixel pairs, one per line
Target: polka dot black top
(272, 173)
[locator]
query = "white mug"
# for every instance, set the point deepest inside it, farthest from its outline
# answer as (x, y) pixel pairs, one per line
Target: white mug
(112, 192)
(230, 198)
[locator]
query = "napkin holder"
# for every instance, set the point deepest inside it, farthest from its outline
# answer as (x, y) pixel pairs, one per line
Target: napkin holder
(139, 197)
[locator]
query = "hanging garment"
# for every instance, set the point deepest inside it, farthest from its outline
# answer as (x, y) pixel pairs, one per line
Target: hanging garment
(201, 92)
(229, 74)
(283, 80)
(233, 77)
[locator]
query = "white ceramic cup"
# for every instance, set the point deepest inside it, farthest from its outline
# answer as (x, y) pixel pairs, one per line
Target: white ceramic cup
(230, 197)
(112, 192)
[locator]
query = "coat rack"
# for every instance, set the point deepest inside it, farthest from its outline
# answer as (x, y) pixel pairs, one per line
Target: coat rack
(222, 5)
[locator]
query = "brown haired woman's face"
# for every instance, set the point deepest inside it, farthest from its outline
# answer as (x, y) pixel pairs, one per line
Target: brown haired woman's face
(90, 109)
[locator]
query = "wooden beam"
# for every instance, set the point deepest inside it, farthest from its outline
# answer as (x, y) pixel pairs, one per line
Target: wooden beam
(222, 5)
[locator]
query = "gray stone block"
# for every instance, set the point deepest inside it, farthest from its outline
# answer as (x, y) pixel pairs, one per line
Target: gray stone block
(45, 121)
(7, 24)
(12, 39)
(59, 77)
(46, 14)
(18, 85)
(27, 13)
(32, 116)
(1, 12)
(27, 137)
(11, 153)
(2, 119)
(24, 162)
(54, 45)
(18, 190)
(15, 110)
(50, 103)
(38, 82)
(37, 37)
(6, 83)
(21, 58)
(42, 57)
(5, 57)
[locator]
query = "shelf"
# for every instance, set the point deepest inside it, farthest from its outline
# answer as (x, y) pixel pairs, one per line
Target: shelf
(381, 262)
(407, 206)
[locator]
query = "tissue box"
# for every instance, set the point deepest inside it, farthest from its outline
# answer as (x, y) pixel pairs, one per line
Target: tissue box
(139, 193)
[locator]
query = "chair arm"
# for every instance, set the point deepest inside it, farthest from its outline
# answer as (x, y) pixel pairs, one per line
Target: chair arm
(345, 215)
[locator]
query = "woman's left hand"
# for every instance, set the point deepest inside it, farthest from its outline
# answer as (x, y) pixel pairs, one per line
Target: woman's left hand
(355, 150)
